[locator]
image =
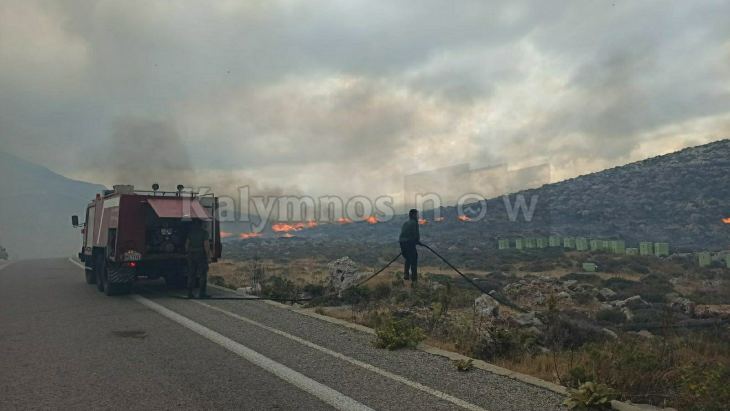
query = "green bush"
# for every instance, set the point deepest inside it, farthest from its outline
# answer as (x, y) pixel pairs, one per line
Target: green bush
(277, 287)
(380, 292)
(504, 343)
(705, 388)
(315, 290)
(464, 365)
(392, 334)
(356, 295)
(590, 396)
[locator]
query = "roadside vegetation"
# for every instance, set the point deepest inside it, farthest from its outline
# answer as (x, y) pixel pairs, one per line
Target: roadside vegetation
(643, 329)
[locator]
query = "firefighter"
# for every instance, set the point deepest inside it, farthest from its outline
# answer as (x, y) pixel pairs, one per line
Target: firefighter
(197, 248)
(409, 238)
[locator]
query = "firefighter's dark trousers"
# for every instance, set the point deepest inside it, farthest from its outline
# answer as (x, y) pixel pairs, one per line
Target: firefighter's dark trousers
(410, 269)
(198, 269)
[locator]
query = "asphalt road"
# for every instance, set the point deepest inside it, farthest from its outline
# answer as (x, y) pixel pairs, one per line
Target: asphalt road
(64, 345)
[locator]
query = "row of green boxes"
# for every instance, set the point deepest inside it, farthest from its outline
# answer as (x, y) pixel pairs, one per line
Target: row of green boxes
(704, 259)
(645, 248)
(585, 244)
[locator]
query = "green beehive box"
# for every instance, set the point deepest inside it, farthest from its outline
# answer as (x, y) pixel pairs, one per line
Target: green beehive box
(595, 244)
(704, 259)
(632, 251)
(581, 244)
(530, 242)
(727, 260)
(554, 241)
(590, 267)
(617, 246)
(519, 243)
(569, 242)
(503, 244)
(661, 249)
(646, 248)
(542, 242)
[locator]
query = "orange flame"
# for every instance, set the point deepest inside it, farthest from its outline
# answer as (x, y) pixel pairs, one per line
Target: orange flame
(463, 218)
(226, 234)
(284, 227)
(344, 220)
(310, 223)
(726, 220)
(372, 220)
(422, 221)
(246, 236)
(438, 219)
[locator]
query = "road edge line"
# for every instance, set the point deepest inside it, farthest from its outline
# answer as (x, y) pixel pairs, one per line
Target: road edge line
(483, 365)
(326, 394)
(362, 364)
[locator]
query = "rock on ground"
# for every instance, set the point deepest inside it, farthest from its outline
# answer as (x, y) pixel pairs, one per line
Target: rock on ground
(343, 273)
(487, 306)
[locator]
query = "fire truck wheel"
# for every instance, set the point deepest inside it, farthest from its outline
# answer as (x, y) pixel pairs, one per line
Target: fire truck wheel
(90, 274)
(100, 272)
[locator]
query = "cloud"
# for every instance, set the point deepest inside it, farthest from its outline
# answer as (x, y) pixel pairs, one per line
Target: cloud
(335, 98)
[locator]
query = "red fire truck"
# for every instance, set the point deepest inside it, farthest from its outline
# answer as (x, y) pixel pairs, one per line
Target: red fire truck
(129, 234)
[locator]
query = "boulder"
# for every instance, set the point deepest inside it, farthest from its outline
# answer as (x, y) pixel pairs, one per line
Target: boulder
(610, 333)
(343, 274)
(633, 303)
(645, 334)
(569, 283)
(606, 294)
(486, 306)
(563, 295)
(681, 303)
(628, 313)
(528, 319)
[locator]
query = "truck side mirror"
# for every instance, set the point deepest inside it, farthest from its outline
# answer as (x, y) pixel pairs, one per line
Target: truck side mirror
(75, 220)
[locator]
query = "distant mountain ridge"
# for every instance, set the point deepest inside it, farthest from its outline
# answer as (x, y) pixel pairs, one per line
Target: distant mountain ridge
(36, 205)
(680, 198)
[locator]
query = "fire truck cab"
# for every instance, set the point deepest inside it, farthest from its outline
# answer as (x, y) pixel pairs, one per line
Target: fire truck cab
(129, 234)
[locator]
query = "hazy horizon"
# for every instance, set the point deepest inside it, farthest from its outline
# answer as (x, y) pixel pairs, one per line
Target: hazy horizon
(349, 99)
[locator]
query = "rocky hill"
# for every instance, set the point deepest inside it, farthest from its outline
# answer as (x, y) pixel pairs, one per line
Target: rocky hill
(36, 205)
(680, 198)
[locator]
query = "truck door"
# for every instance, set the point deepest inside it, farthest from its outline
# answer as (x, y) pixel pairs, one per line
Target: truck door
(210, 203)
(89, 229)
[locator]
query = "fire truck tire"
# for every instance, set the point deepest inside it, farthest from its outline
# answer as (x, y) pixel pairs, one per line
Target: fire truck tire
(100, 272)
(89, 273)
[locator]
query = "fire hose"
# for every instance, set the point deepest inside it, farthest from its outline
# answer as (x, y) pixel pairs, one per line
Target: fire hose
(370, 277)
(294, 300)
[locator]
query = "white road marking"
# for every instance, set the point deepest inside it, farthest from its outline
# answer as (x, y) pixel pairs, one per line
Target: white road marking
(321, 391)
(71, 260)
(369, 367)
(6, 265)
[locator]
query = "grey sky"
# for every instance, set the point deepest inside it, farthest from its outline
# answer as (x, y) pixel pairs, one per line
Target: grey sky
(345, 97)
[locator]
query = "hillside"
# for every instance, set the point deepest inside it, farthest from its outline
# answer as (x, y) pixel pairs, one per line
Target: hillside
(36, 205)
(680, 198)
